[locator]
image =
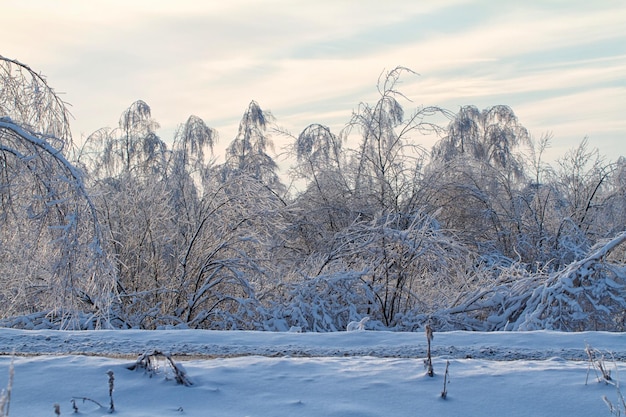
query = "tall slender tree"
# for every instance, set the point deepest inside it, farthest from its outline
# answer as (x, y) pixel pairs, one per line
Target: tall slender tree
(388, 157)
(247, 153)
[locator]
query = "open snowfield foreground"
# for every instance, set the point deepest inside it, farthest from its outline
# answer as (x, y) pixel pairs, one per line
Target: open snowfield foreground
(310, 374)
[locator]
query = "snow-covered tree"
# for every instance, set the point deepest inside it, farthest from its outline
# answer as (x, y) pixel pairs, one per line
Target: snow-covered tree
(387, 164)
(190, 163)
(138, 233)
(128, 169)
(133, 148)
(475, 179)
(491, 135)
(317, 150)
(51, 243)
(247, 153)
(226, 258)
(611, 206)
(322, 207)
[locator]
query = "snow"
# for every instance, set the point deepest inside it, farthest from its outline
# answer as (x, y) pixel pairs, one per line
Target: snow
(365, 373)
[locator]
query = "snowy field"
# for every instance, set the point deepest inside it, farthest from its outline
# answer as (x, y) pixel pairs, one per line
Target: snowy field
(310, 374)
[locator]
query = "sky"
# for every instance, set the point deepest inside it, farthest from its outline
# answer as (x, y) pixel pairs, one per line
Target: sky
(560, 65)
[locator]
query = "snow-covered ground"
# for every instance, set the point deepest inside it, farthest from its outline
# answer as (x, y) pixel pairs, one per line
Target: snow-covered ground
(311, 374)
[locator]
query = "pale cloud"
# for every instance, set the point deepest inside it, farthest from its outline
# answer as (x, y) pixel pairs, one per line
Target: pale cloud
(595, 114)
(313, 62)
(463, 88)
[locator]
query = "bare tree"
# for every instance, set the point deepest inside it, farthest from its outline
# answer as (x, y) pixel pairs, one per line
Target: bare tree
(581, 177)
(388, 159)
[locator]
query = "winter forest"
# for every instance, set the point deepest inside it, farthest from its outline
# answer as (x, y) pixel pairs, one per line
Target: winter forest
(126, 229)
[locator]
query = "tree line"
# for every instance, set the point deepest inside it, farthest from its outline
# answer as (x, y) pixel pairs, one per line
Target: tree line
(129, 230)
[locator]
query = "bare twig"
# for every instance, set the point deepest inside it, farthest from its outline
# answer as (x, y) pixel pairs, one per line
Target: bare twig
(111, 387)
(149, 362)
(428, 363)
(446, 375)
(85, 399)
(597, 363)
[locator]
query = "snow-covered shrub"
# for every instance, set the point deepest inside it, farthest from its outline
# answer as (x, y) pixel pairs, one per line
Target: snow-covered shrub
(354, 326)
(410, 266)
(58, 320)
(586, 295)
(326, 303)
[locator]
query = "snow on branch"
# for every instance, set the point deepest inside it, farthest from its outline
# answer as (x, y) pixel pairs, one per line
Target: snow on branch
(53, 244)
(588, 295)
